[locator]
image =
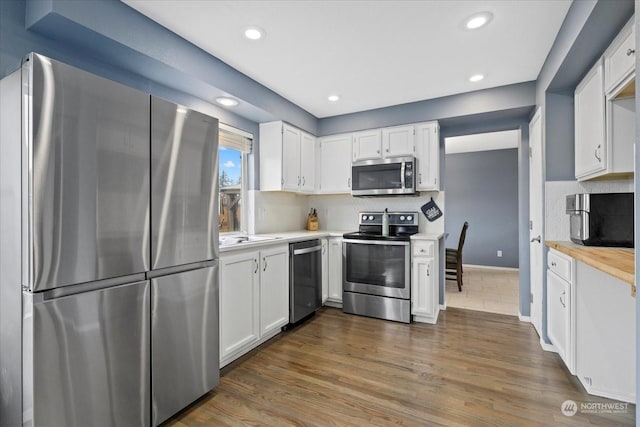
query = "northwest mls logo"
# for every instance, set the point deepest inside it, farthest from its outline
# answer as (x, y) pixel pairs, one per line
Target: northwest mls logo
(569, 408)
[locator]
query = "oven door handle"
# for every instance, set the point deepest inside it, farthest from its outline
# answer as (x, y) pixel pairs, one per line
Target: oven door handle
(377, 242)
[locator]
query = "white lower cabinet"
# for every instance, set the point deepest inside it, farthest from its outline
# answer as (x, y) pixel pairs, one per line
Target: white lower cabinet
(254, 298)
(334, 298)
(274, 289)
(325, 269)
(605, 335)
(425, 281)
(561, 306)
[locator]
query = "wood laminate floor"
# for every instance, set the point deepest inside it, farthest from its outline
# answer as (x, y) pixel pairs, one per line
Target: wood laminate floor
(472, 368)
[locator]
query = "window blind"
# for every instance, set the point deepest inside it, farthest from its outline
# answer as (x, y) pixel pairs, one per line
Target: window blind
(230, 137)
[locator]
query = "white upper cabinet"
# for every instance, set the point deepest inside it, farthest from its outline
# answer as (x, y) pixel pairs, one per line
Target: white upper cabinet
(605, 113)
(367, 145)
(290, 158)
(427, 141)
(287, 158)
(590, 149)
(398, 141)
(620, 58)
(307, 163)
(334, 165)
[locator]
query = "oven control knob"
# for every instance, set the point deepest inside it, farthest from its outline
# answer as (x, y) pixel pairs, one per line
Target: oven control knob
(409, 218)
(370, 217)
(401, 217)
(364, 217)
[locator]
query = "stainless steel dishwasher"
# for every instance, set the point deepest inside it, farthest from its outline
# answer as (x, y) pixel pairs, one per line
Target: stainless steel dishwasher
(305, 279)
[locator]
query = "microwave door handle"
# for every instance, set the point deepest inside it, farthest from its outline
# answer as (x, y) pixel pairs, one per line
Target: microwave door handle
(402, 172)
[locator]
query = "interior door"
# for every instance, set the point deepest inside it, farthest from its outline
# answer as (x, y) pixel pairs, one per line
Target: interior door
(536, 215)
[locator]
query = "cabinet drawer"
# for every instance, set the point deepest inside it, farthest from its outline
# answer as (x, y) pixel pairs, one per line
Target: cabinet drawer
(422, 248)
(560, 265)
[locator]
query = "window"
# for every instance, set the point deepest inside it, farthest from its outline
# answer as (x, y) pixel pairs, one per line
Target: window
(234, 145)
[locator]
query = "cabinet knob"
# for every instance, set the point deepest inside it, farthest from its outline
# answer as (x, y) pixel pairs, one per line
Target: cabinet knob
(553, 263)
(264, 260)
(349, 182)
(595, 153)
(256, 262)
(420, 178)
(630, 52)
(303, 181)
(387, 150)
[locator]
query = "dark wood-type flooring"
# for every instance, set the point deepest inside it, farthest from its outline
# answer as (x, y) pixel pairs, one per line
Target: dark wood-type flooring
(472, 368)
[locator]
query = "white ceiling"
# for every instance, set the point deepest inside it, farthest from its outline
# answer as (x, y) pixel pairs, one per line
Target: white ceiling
(372, 53)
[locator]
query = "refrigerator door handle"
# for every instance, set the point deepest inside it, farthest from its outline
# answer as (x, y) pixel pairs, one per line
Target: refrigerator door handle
(180, 268)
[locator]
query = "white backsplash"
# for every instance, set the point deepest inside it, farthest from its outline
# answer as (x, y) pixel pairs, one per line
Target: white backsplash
(276, 211)
(556, 218)
(279, 211)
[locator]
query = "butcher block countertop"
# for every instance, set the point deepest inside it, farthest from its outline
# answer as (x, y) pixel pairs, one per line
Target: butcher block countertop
(616, 262)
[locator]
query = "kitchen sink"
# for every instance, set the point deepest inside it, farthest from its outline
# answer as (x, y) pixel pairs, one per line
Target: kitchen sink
(239, 239)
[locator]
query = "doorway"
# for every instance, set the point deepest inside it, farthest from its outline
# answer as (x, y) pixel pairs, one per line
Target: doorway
(482, 188)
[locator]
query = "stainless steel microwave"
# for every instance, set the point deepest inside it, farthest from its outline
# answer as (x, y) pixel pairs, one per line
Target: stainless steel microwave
(384, 177)
(601, 219)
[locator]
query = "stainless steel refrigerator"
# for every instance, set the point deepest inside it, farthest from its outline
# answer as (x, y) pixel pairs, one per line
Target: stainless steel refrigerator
(107, 260)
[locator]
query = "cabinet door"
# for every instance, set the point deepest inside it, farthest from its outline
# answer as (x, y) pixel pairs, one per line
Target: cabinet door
(428, 156)
(590, 148)
(290, 158)
(325, 270)
(558, 300)
(620, 58)
(367, 145)
(423, 295)
(274, 288)
(239, 301)
(335, 164)
(335, 269)
(307, 163)
(398, 141)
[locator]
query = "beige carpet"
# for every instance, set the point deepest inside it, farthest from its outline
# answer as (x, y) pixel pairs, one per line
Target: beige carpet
(485, 289)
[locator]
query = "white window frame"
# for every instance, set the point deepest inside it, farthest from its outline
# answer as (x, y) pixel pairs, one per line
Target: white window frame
(244, 187)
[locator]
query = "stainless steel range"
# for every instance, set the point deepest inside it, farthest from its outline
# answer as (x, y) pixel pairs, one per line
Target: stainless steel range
(376, 272)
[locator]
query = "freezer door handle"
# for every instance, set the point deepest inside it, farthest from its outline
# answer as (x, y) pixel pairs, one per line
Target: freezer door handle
(180, 268)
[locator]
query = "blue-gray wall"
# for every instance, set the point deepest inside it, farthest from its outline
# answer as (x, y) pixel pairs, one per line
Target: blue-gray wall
(482, 189)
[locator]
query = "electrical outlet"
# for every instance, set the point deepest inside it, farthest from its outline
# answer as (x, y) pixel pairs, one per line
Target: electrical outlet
(499, 254)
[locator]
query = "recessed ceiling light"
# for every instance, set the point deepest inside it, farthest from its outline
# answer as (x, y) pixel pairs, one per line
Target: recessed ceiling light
(227, 102)
(476, 78)
(254, 33)
(478, 20)
(333, 98)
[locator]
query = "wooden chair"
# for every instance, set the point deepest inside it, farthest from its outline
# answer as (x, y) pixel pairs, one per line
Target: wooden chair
(453, 267)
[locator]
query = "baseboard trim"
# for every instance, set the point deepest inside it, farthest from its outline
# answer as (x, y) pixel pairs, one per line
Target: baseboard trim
(547, 347)
(443, 306)
(490, 267)
(524, 318)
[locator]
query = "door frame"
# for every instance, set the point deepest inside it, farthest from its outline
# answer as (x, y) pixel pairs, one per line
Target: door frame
(538, 294)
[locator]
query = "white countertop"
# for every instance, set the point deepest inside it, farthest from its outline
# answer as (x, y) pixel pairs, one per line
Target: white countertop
(297, 236)
(280, 238)
(427, 236)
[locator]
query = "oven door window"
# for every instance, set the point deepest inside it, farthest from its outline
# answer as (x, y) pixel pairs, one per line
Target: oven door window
(377, 177)
(376, 264)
